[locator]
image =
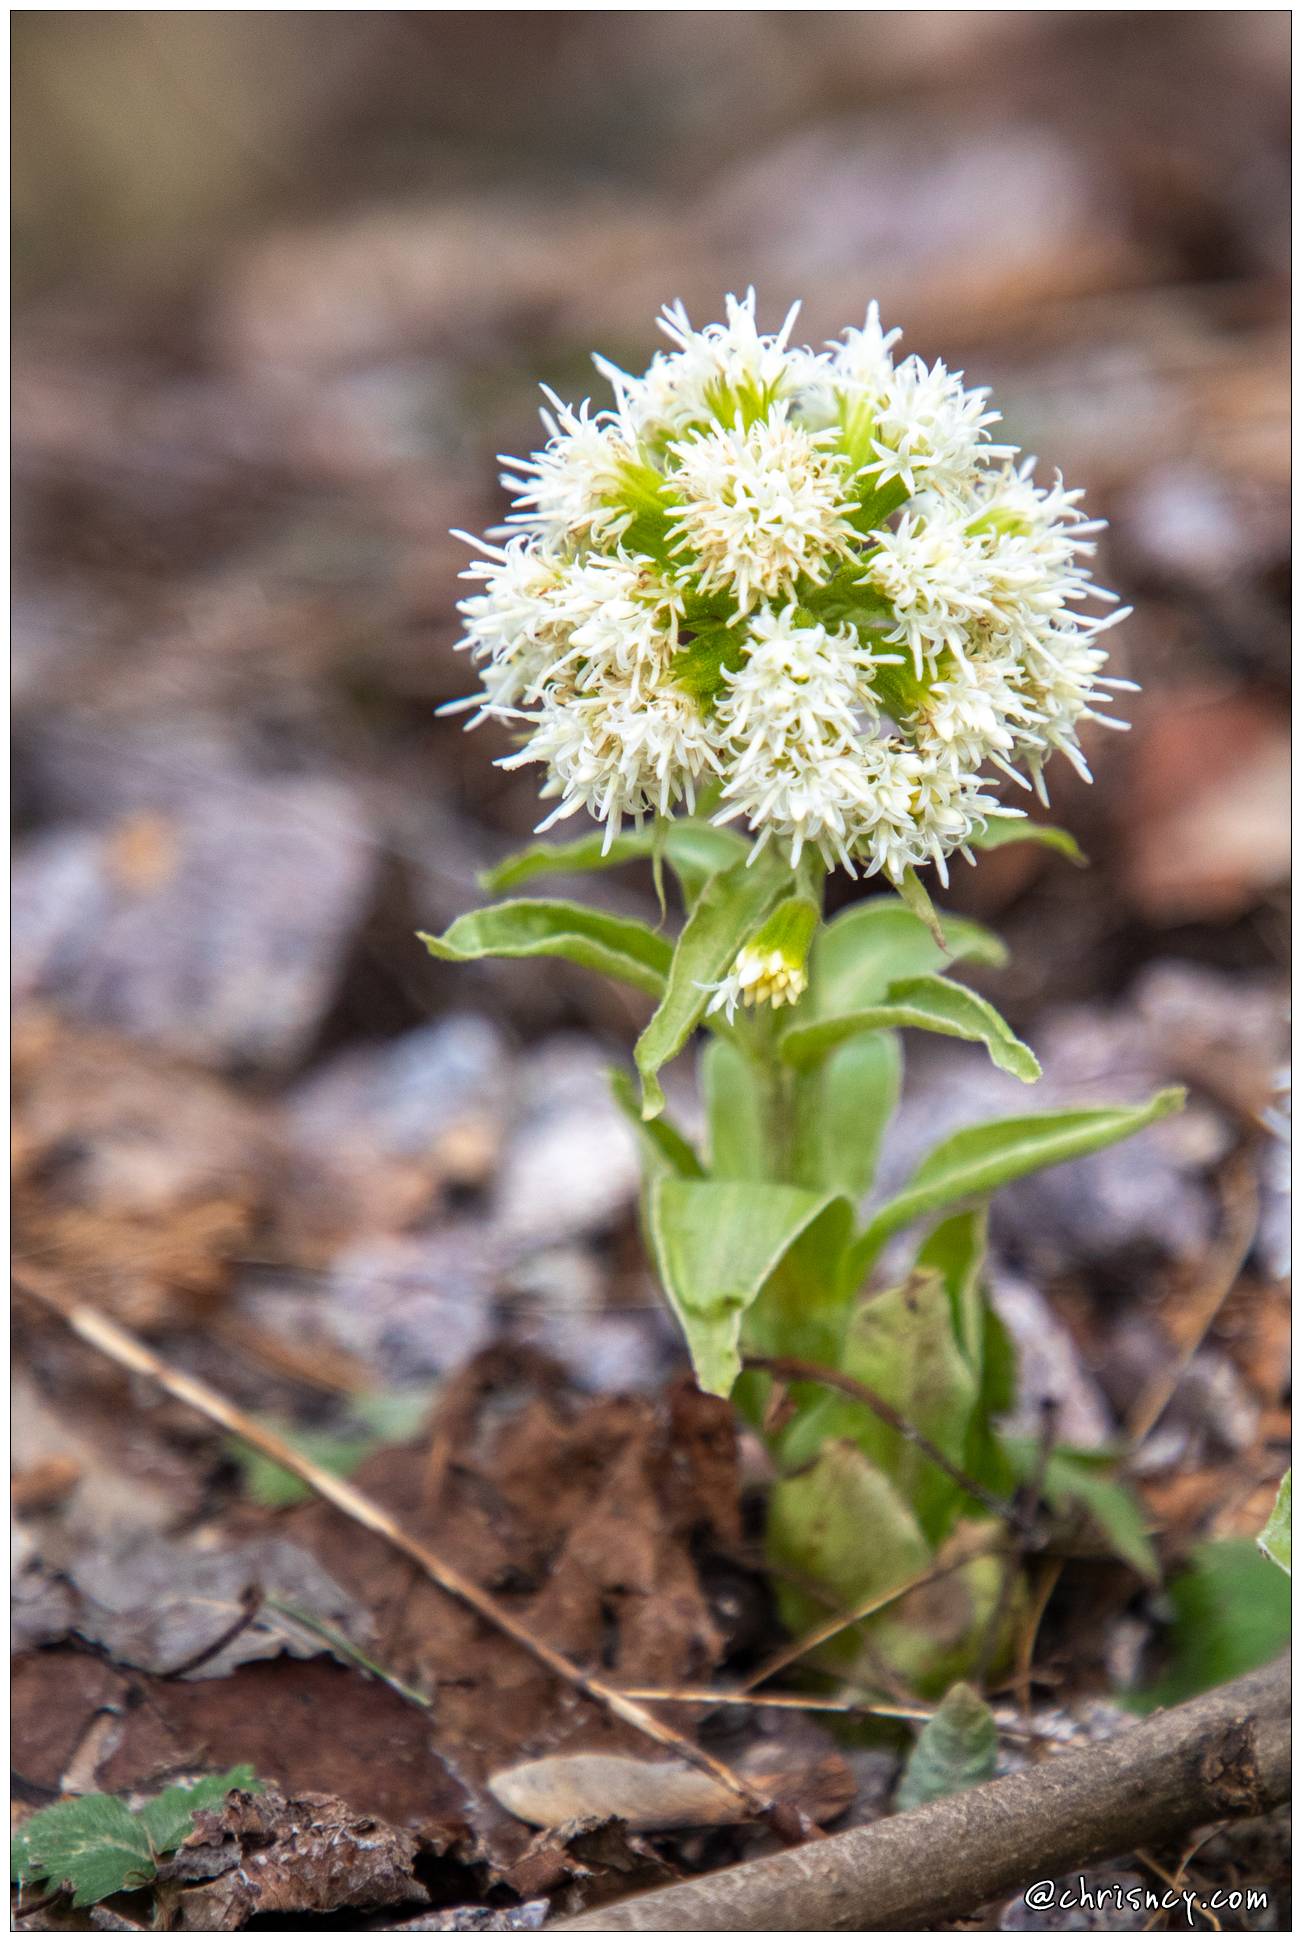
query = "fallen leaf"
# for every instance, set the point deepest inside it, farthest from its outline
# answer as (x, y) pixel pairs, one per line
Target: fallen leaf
(651, 1796)
(268, 1854)
(179, 1612)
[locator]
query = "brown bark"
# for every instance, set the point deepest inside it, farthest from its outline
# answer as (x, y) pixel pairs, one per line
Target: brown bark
(1219, 1757)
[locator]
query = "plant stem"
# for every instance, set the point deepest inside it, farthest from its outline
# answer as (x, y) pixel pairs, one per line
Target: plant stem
(778, 1092)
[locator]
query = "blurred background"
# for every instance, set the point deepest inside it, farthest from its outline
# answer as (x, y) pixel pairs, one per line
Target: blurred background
(285, 284)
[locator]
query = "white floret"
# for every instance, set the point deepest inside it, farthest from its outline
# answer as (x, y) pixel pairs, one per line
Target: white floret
(572, 490)
(792, 721)
(759, 508)
(699, 381)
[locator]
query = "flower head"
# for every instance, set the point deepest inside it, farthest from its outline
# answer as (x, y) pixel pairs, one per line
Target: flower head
(758, 507)
(811, 581)
(771, 968)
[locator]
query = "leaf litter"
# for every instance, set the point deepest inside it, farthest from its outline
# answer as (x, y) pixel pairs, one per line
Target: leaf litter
(238, 1131)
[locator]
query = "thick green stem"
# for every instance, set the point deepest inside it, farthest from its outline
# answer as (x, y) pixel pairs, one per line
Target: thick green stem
(777, 1087)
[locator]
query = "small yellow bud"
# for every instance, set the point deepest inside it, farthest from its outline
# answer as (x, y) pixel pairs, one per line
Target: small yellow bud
(769, 978)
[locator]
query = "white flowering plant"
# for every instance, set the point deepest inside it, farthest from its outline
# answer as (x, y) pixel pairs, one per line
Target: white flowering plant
(776, 613)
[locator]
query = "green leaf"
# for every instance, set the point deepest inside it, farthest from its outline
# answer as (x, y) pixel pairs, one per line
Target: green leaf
(1230, 1614)
(716, 1243)
(927, 1004)
(274, 1488)
(169, 1818)
(1276, 1540)
(956, 1749)
(993, 835)
(998, 1367)
(695, 849)
(734, 1113)
(802, 1307)
(876, 502)
(699, 669)
(843, 1108)
(914, 894)
(869, 947)
(582, 854)
(730, 908)
(94, 1844)
(1083, 1480)
(660, 1140)
(900, 1343)
(545, 927)
(956, 1249)
(981, 1158)
(841, 1525)
(98, 1847)
(698, 850)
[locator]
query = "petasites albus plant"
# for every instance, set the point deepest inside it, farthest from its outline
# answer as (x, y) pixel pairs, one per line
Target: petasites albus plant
(775, 613)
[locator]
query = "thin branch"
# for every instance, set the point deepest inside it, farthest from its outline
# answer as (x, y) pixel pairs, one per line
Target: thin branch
(1024, 1675)
(792, 1702)
(1224, 1756)
(790, 1369)
(852, 1707)
(130, 1353)
(1026, 1508)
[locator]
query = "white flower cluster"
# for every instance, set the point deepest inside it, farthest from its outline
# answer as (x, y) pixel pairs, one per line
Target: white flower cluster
(808, 583)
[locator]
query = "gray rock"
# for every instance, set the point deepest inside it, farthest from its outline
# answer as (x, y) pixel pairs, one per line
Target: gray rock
(375, 1134)
(219, 932)
(571, 1163)
(410, 1306)
(1049, 1366)
(556, 1302)
(1210, 1414)
(401, 1095)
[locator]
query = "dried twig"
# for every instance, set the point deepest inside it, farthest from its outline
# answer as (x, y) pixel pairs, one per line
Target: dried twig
(1024, 1676)
(1027, 1505)
(791, 1702)
(829, 1627)
(852, 1706)
(1242, 1210)
(1221, 1757)
(130, 1353)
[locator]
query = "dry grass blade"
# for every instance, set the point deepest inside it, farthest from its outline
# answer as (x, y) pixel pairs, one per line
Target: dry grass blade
(130, 1353)
(790, 1702)
(829, 1627)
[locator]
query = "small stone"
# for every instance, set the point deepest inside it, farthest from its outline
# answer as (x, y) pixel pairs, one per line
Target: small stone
(571, 1164)
(219, 932)
(378, 1133)
(410, 1306)
(1049, 1367)
(556, 1303)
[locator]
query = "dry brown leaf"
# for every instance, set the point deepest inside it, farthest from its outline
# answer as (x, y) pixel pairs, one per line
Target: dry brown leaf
(653, 1796)
(265, 1854)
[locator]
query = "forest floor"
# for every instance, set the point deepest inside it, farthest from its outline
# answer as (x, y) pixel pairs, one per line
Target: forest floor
(386, 1208)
